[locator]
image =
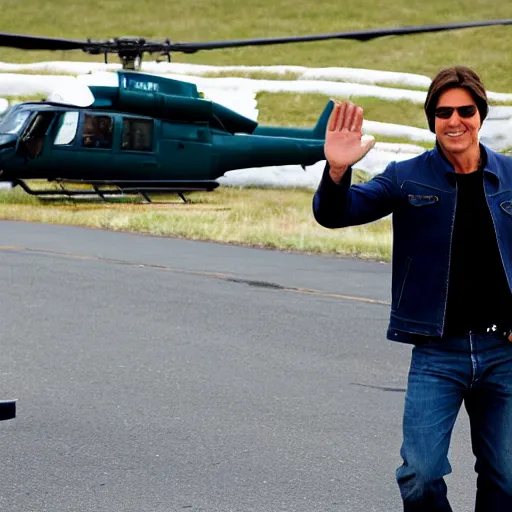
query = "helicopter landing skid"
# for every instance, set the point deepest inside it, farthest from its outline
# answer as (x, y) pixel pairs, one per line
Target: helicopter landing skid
(121, 188)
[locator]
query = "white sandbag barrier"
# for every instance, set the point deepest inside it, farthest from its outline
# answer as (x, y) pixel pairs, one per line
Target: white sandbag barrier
(240, 94)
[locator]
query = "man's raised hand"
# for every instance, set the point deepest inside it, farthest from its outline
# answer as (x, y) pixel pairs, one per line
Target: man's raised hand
(344, 145)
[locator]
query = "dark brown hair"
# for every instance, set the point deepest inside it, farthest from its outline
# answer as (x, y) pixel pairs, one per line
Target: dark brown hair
(450, 78)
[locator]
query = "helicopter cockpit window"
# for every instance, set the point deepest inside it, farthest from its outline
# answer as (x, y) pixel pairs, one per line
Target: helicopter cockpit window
(68, 125)
(97, 132)
(13, 121)
(137, 134)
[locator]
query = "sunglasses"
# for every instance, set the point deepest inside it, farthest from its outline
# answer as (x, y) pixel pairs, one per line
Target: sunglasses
(464, 111)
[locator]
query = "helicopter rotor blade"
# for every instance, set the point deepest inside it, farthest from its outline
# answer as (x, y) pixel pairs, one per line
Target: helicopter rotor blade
(359, 35)
(134, 45)
(39, 43)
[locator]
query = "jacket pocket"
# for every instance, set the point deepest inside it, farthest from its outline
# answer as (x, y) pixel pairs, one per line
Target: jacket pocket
(506, 206)
(422, 200)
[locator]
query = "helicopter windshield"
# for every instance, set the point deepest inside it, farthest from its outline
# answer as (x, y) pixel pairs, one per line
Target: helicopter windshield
(12, 122)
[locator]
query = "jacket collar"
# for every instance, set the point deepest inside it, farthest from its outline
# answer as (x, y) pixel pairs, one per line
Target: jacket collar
(489, 162)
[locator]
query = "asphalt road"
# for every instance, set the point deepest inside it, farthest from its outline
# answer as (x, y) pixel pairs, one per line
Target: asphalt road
(166, 375)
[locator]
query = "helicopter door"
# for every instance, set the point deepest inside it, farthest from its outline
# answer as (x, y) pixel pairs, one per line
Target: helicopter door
(81, 146)
(65, 145)
(86, 143)
(136, 158)
(32, 144)
(186, 151)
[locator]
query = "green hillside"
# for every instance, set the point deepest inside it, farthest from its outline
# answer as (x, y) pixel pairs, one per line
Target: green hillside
(488, 50)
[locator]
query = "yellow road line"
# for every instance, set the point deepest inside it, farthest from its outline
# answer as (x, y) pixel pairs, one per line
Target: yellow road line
(204, 273)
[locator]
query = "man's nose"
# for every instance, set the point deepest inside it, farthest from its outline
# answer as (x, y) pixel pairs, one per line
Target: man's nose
(454, 118)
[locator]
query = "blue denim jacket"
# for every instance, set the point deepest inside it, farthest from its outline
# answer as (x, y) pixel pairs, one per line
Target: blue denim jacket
(421, 194)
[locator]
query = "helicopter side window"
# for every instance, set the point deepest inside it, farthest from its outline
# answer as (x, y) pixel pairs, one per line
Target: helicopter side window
(137, 135)
(68, 126)
(97, 131)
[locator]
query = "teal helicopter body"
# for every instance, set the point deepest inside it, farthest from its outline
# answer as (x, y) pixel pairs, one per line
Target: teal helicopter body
(148, 134)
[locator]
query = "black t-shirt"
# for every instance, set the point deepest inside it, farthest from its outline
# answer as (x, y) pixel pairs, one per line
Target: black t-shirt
(478, 292)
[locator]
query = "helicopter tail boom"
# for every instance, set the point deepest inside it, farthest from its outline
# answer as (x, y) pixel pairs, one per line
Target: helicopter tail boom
(249, 151)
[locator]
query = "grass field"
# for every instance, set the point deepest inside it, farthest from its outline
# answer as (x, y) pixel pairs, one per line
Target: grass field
(487, 49)
(270, 218)
(279, 218)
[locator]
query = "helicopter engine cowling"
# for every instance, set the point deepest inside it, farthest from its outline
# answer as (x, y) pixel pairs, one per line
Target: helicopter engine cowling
(168, 99)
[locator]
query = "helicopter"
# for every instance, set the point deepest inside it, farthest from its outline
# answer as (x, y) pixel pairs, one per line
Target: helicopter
(152, 134)
(147, 135)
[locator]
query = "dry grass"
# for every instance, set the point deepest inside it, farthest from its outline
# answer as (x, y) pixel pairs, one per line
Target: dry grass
(277, 219)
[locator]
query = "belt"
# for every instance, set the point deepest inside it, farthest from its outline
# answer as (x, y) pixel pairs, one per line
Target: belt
(500, 329)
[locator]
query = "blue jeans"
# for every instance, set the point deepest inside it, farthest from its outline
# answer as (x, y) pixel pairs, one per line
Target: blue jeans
(477, 370)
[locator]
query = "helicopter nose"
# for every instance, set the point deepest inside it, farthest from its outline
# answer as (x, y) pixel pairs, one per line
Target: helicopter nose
(8, 140)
